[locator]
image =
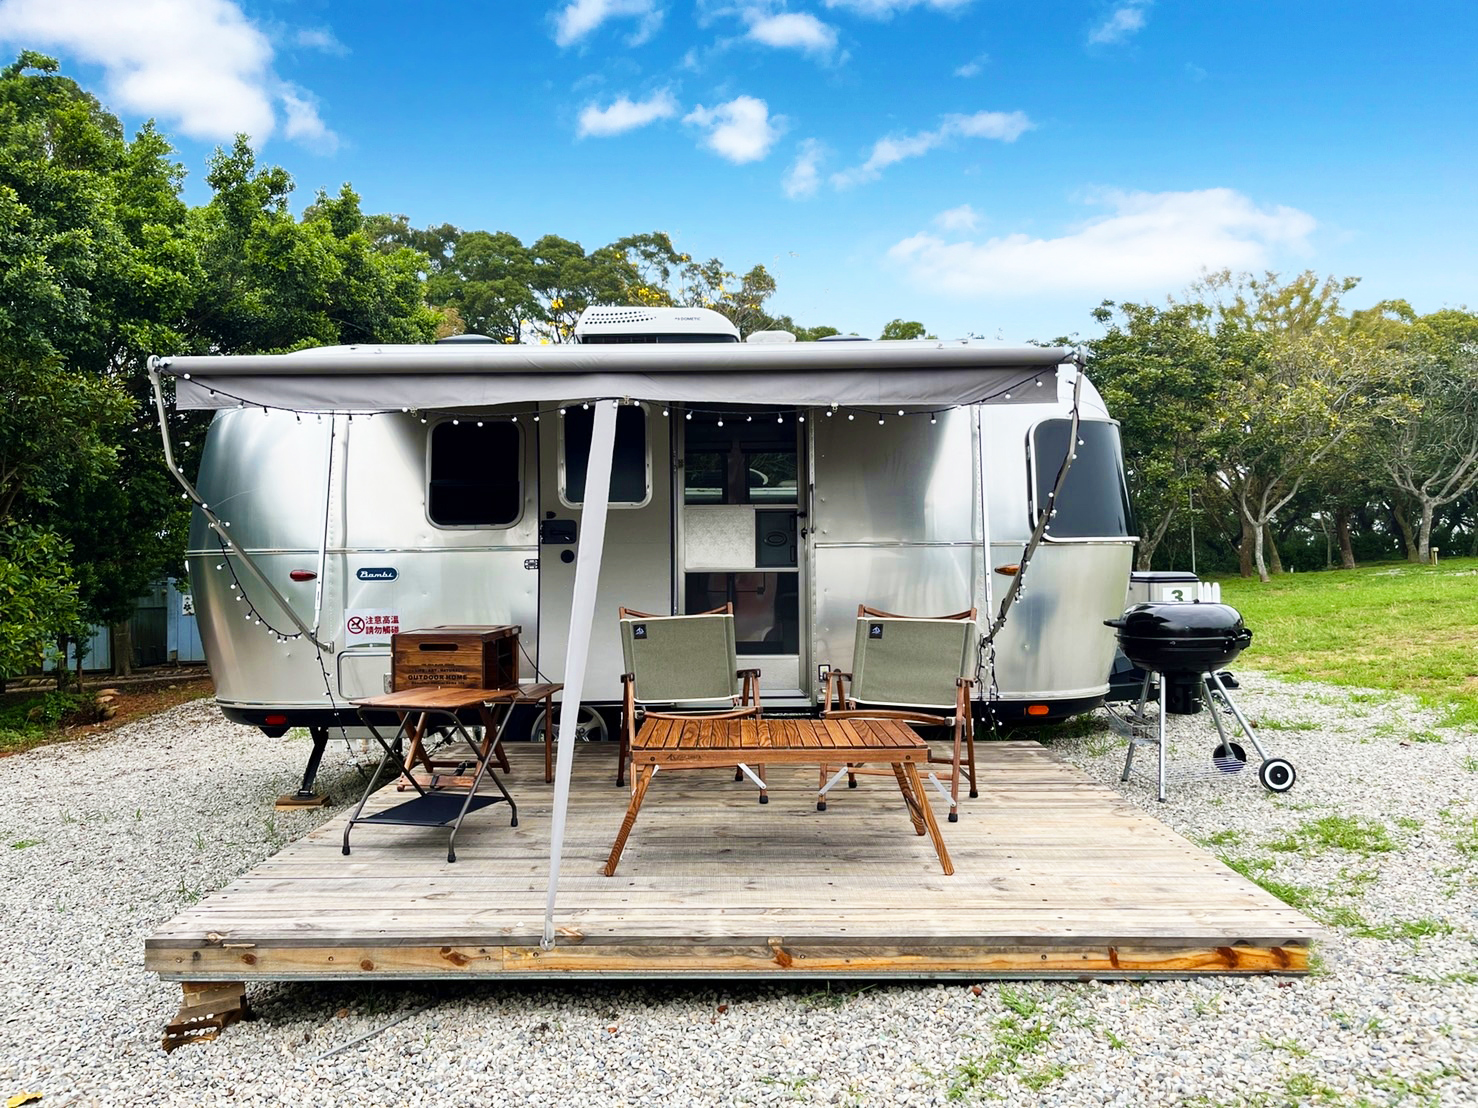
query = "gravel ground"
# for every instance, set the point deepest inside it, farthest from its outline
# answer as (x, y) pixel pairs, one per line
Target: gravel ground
(102, 840)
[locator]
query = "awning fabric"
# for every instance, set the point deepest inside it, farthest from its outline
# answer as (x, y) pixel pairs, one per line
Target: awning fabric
(453, 376)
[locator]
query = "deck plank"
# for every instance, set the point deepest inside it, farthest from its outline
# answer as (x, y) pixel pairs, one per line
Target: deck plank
(1055, 875)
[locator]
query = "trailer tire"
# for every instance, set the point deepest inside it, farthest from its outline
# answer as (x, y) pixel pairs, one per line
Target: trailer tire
(590, 727)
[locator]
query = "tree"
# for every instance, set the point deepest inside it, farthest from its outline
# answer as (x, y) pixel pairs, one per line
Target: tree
(97, 270)
(1160, 371)
(812, 334)
(651, 260)
(1303, 395)
(38, 596)
(566, 281)
(487, 280)
(272, 283)
(898, 329)
(1427, 438)
(390, 233)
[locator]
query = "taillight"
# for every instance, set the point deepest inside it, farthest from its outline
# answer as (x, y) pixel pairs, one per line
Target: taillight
(302, 575)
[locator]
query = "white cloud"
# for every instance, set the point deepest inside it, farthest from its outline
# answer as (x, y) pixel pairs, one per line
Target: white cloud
(581, 17)
(739, 131)
(804, 176)
(974, 67)
(885, 9)
(626, 114)
(319, 38)
(792, 30)
(1120, 24)
(963, 218)
(1004, 126)
(1149, 242)
(199, 66)
(303, 123)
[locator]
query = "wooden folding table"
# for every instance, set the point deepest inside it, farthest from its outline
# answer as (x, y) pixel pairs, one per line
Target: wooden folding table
(445, 792)
(702, 743)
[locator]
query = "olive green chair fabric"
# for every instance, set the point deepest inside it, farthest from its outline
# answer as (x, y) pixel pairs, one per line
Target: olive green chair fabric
(681, 659)
(914, 662)
(678, 667)
(916, 670)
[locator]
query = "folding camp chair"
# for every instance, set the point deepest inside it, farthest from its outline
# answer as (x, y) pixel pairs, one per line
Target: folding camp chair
(688, 666)
(915, 670)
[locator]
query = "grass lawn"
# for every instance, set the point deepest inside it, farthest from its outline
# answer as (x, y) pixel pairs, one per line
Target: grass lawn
(1397, 626)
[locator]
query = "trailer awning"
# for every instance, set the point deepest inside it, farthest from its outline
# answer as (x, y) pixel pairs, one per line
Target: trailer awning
(390, 378)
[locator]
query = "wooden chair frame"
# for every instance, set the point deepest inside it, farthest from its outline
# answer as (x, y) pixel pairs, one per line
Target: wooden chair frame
(961, 723)
(632, 715)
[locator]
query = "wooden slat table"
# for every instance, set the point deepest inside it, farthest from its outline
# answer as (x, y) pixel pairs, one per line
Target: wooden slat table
(713, 743)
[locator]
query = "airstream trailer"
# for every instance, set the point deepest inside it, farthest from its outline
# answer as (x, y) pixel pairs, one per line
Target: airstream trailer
(348, 493)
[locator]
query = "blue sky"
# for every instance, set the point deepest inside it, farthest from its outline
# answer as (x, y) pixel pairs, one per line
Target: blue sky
(976, 165)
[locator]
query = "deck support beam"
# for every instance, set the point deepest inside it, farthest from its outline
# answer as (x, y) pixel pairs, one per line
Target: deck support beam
(206, 1009)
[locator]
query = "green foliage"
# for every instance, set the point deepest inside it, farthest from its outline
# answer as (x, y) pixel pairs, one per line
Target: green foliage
(899, 329)
(55, 426)
(1336, 833)
(42, 710)
(38, 596)
(1160, 371)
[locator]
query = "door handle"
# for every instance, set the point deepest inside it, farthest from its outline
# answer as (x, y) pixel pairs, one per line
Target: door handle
(557, 532)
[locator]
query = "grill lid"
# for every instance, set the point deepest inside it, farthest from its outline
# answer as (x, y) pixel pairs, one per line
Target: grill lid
(1171, 638)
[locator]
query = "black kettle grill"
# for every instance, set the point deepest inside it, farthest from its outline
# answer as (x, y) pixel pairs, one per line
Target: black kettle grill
(1181, 641)
(1185, 644)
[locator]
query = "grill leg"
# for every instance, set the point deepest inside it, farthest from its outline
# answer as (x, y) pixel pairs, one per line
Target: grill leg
(1137, 718)
(1164, 686)
(1236, 712)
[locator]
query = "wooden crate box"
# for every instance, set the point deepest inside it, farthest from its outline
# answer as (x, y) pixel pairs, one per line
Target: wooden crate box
(464, 657)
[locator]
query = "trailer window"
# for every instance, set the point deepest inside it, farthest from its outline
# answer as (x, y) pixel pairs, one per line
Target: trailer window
(475, 474)
(740, 462)
(766, 607)
(630, 466)
(1094, 501)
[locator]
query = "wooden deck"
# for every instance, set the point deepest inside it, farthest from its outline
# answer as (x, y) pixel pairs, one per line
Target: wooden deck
(1056, 876)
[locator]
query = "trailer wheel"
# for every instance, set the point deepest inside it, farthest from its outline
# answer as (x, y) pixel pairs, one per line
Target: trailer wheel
(590, 727)
(1277, 775)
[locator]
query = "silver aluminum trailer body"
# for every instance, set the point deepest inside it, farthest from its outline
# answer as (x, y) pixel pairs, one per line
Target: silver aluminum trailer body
(912, 514)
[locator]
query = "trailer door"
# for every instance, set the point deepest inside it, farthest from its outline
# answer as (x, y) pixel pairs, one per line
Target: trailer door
(739, 497)
(636, 570)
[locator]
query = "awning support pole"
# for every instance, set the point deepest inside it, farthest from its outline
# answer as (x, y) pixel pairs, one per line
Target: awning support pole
(582, 616)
